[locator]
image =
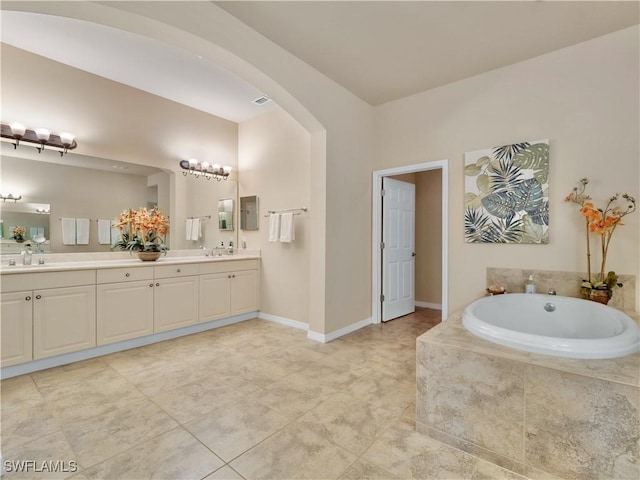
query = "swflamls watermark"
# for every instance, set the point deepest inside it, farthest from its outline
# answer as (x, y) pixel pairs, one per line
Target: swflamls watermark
(40, 466)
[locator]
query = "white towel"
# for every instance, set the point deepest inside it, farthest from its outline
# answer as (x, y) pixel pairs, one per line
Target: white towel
(195, 229)
(82, 231)
(287, 228)
(188, 229)
(115, 235)
(68, 231)
(104, 232)
(274, 227)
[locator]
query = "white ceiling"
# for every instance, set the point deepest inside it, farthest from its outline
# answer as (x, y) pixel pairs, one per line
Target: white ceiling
(383, 51)
(380, 51)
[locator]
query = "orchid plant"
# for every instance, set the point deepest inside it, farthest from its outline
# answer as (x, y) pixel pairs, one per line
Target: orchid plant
(142, 230)
(601, 222)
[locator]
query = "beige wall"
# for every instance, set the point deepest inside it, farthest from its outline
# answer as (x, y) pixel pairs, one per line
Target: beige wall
(583, 98)
(274, 164)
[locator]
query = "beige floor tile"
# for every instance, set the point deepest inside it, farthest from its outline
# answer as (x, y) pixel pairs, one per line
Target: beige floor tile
(172, 455)
(349, 423)
(156, 380)
(362, 470)
(19, 392)
(21, 425)
(232, 430)
(43, 452)
(489, 471)
(193, 400)
(224, 473)
(297, 451)
(384, 391)
(104, 436)
(408, 454)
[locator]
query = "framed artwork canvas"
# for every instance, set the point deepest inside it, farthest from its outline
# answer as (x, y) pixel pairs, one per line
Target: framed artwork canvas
(507, 194)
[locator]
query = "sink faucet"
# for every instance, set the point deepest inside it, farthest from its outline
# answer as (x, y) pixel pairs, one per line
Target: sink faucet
(27, 255)
(552, 291)
(206, 252)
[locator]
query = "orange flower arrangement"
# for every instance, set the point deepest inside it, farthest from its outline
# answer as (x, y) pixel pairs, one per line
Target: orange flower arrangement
(602, 222)
(142, 230)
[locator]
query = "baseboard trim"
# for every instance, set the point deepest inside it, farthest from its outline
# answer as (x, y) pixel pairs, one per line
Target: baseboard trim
(326, 338)
(435, 306)
(283, 321)
(58, 360)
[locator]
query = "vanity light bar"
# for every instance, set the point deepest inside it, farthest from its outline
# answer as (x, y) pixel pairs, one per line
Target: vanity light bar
(40, 137)
(203, 169)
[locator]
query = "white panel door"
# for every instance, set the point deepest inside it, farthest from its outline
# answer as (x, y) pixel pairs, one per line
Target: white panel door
(398, 234)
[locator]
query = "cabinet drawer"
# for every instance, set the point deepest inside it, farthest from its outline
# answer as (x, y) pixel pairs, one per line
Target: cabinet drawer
(37, 281)
(230, 266)
(128, 274)
(170, 271)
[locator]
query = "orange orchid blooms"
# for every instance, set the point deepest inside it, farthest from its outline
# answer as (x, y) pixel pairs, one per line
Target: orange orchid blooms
(142, 230)
(602, 222)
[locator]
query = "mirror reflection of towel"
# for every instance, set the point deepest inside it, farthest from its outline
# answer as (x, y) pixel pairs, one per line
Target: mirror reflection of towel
(68, 226)
(187, 232)
(287, 228)
(195, 229)
(104, 232)
(82, 231)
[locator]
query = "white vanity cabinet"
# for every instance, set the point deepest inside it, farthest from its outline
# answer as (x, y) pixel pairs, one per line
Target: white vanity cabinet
(16, 327)
(228, 289)
(63, 313)
(175, 296)
(124, 303)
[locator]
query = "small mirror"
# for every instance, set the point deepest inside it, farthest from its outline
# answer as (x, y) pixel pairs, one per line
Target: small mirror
(225, 214)
(249, 213)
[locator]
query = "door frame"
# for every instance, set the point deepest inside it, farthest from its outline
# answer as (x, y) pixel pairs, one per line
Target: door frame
(376, 255)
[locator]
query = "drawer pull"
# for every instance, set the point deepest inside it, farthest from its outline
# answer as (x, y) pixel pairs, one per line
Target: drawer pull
(127, 274)
(38, 297)
(27, 298)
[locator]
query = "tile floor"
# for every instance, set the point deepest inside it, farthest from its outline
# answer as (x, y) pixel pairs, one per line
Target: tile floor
(251, 400)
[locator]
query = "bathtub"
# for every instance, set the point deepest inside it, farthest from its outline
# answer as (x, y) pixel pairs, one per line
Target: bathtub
(553, 325)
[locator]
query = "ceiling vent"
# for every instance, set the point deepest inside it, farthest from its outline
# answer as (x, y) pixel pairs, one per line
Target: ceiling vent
(261, 100)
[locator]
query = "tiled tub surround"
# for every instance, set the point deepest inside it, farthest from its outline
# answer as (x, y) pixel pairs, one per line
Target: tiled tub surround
(538, 415)
(565, 283)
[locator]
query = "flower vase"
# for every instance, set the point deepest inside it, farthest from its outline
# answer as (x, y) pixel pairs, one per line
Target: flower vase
(596, 295)
(149, 256)
(19, 239)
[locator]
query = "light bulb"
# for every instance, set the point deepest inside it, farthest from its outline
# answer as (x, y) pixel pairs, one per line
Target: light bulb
(215, 167)
(193, 162)
(67, 138)
(17, 129)
(227, 169)
(205, 166)
(43, 134)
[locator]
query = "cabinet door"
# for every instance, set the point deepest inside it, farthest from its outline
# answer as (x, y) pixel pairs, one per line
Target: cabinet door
(215, 295)
(244, 292)
(16, 327)
(125, 310)
(64, 320)
(175, 303)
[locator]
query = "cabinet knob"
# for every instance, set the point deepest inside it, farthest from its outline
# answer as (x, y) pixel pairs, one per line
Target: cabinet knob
(157, 284)
(151, 284)
(38, 297)
(127, 274)
(233, 276)
(27, 298)
(178, 270)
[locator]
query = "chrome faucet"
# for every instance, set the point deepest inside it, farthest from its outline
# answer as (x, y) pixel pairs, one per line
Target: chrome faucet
(206, 252)
(552, 291)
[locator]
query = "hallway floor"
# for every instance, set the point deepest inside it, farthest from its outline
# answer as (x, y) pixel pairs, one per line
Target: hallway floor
(250, 400)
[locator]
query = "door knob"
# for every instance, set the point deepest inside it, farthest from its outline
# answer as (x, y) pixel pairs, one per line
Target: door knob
(413, 254)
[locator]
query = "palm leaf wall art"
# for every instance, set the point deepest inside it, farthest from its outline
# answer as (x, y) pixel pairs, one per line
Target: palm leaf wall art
(507, 194)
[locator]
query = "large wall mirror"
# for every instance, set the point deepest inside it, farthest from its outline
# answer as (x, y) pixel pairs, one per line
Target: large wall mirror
(98, 189)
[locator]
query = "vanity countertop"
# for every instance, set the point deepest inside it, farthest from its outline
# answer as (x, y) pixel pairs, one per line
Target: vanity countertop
(53, 265)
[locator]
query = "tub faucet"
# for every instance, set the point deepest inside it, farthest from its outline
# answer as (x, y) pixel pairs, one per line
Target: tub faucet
(552, 291)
